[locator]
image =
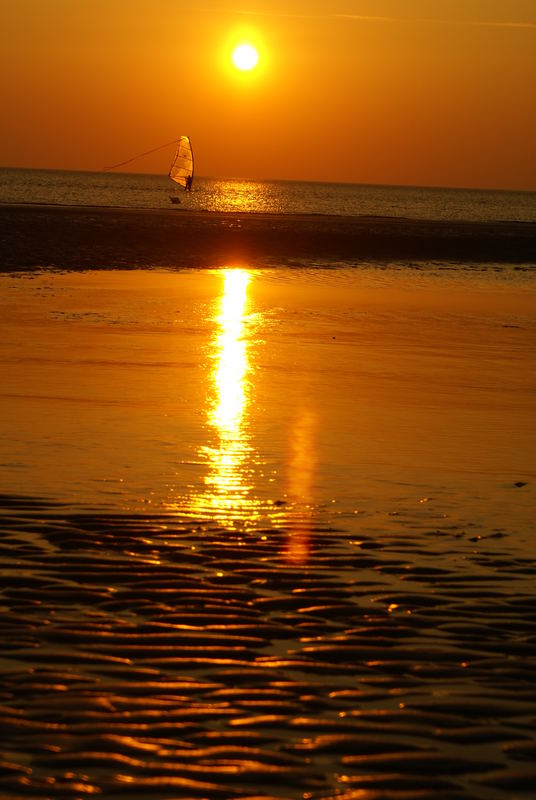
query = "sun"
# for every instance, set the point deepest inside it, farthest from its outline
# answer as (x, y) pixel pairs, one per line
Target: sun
(245, 57)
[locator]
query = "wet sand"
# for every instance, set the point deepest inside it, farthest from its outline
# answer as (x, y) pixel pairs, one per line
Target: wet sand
(33, 236)
(268, 535)
(146, 656)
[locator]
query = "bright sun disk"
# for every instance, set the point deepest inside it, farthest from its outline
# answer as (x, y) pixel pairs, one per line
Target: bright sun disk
(245, 57)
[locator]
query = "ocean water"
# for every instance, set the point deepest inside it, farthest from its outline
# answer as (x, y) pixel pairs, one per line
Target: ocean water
(278, 197)
(242, 387)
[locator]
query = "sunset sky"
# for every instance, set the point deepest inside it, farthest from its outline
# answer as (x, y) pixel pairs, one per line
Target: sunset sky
(422, 92)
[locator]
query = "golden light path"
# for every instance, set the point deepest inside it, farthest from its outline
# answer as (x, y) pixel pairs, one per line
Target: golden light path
(232, 364)
(227, 496)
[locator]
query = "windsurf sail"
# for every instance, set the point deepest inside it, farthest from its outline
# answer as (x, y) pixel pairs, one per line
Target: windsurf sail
(182, 168)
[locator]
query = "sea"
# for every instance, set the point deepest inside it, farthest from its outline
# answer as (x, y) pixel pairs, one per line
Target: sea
(131, 190)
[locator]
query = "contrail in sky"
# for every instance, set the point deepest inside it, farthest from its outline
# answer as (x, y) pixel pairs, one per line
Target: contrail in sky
(472, 22)
(369, 18)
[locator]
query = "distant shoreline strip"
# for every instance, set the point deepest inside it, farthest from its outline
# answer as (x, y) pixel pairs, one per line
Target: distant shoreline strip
(76, 237)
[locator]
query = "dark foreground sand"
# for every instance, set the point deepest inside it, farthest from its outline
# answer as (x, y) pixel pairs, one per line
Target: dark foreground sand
(75, 237)
(148, 657)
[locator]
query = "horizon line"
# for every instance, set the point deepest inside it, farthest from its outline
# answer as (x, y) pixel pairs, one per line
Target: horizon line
(285, 180)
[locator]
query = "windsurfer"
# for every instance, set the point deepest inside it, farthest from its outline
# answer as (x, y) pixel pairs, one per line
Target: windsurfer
(182, 169)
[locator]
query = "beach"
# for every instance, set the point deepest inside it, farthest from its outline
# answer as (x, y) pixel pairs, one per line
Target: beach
(267, 529)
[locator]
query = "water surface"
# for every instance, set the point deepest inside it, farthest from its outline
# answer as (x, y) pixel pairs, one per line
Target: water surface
(268, 534)
(234, 392)
(264, 196)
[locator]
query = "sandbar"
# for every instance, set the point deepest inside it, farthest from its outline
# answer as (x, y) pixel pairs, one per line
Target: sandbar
(69, 237)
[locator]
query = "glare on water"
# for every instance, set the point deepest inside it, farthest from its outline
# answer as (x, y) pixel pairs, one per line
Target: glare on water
(227, 493)
(231, 356)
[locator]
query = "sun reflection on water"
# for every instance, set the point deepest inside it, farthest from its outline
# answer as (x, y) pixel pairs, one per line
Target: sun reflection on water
(236, 487)
(229, 454)
(236, 195)
(232, 358)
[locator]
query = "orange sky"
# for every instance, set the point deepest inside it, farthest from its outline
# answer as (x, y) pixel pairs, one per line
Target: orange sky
(374, 91)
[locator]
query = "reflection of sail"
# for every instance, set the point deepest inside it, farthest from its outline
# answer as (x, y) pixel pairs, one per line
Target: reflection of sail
(302, 470)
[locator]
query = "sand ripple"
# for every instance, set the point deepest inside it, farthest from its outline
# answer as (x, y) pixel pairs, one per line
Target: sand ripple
(147, 656)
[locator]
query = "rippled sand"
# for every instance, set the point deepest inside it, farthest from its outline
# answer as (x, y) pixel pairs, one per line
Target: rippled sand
(267, 536)
(152, 657)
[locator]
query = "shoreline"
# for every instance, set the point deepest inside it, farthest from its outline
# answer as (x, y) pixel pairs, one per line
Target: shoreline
(89, 237)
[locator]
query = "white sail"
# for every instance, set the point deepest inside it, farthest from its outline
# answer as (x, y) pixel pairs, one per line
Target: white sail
(182, 168)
